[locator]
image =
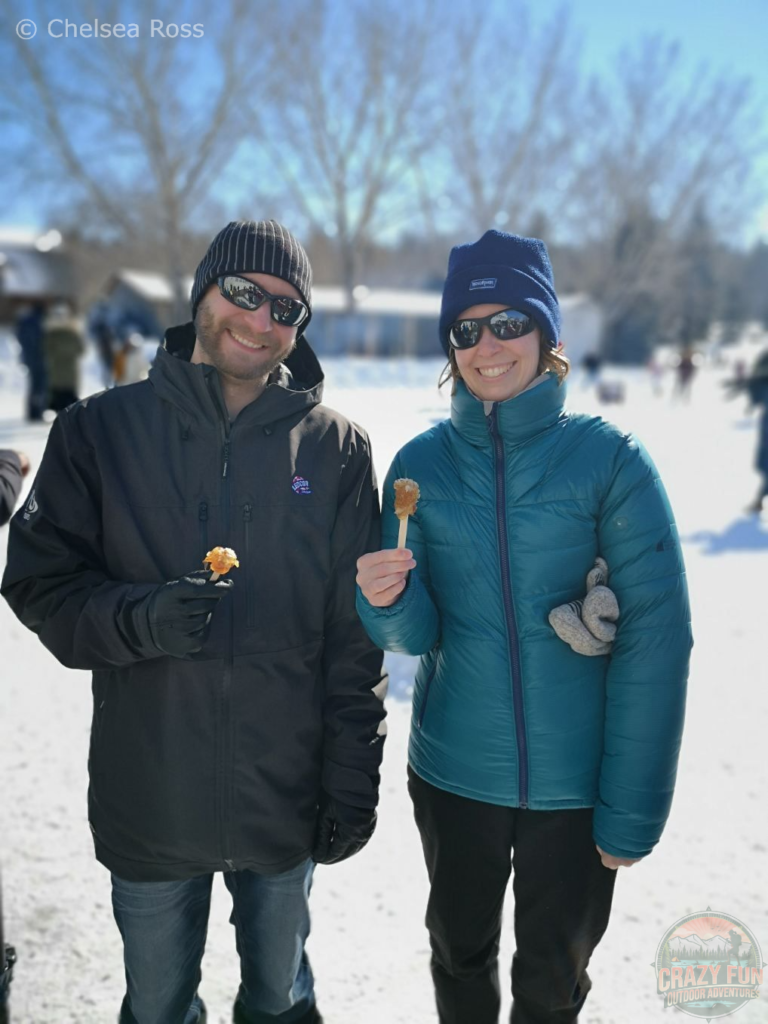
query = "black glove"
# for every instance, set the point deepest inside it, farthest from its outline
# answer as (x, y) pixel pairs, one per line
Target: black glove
(179, 612)
(342, 830)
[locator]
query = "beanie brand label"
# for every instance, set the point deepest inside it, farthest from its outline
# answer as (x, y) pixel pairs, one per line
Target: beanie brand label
(482, 282)
(300, 485)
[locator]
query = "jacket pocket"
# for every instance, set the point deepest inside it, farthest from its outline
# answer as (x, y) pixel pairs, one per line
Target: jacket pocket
(250, 610)
(427, 687)
(101, 689)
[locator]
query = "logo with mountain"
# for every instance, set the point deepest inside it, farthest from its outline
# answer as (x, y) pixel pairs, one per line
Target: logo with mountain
(708, 965)
(300, 485)
(31, 506)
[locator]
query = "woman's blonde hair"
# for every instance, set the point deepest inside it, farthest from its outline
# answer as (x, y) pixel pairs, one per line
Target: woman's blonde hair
(550, 359)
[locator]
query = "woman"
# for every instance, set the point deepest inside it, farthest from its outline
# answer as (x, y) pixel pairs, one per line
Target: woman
(523, 753)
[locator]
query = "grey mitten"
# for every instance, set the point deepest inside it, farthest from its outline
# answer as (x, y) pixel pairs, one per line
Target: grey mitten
(589, 626)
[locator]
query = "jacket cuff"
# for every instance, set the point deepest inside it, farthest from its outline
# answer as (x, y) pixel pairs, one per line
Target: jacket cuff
(358, 787)
(133, 623)
(616, 851)
(365, 608)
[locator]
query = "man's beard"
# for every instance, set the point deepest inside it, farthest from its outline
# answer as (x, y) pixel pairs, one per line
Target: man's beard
(209, 333)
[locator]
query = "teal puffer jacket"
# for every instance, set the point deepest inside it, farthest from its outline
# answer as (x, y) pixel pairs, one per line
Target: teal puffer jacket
(517, 499)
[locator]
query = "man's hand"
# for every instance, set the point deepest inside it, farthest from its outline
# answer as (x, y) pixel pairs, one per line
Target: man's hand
(381, 575)
(180, 612)
(609, 861)
(25, 463)
(342, 830)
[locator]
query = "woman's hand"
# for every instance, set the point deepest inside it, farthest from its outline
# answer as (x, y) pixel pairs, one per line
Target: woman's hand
(381, 575)
(614, 863)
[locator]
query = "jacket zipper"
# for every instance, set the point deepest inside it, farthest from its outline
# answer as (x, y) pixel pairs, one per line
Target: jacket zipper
(226, 717)
(509, 606)
(202, 515)
(249, 602)
(428, 684)
(225, 778)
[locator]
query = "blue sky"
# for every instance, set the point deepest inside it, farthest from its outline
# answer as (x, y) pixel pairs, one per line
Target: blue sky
(729, 36)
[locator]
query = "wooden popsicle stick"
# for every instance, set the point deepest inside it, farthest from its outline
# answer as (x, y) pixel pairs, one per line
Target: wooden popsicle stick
(403, 531)
(215, 576)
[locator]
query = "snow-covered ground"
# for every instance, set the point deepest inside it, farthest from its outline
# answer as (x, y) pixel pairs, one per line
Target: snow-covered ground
(369, 947)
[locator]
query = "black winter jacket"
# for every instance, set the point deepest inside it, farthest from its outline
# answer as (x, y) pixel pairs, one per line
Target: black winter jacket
(214, 762)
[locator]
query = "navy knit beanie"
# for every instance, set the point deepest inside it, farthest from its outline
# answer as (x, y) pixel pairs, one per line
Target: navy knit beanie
(505, 269)
(255, 247)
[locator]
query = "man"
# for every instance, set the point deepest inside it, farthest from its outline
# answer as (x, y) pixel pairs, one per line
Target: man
(238, 725)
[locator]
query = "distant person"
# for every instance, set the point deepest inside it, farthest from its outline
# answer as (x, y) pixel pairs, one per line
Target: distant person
(656, 373)
(525, 755)
(64, 346)
(107, 345)
(7, 960)
(756, 387)
(14, 466)
(29, 334)
(685, 372)
(592, 364)
(131, 364)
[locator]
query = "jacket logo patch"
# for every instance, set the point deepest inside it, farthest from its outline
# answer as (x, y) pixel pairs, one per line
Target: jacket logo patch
(300, 485)
(482, 282)
(31, 506)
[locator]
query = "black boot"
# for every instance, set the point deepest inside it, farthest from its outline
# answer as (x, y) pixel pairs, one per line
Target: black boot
(239, 1016)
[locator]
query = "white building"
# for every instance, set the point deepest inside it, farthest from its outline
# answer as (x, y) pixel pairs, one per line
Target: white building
(382, 321)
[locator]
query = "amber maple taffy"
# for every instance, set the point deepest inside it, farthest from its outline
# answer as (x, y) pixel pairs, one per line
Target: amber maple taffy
(406, 496)
(221, 560)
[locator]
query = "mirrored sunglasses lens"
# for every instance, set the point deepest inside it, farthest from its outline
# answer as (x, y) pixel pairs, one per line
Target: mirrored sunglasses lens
(243, 293)
(288, 311)
(464, 334)
(509, 324)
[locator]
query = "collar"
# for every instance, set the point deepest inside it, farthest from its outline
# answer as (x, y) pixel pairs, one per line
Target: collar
(194, 388)
(517, 419)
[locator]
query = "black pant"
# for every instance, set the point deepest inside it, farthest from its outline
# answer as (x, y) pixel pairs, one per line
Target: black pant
(562, 903)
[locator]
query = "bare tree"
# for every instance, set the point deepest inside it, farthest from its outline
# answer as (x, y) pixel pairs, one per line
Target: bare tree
(510, 104)
(356, 88)
(136, 131)
(658, 144)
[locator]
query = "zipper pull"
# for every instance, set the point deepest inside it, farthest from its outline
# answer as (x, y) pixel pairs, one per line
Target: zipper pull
(202, 513)
(247, 513)
(226, 459)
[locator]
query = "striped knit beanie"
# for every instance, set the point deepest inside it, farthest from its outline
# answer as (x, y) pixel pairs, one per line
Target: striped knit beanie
(255, 247)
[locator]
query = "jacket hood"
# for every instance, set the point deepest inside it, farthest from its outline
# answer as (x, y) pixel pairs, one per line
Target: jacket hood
(518, 418)
(194, 388)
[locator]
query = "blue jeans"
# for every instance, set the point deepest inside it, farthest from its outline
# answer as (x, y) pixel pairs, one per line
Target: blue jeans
(164, 925)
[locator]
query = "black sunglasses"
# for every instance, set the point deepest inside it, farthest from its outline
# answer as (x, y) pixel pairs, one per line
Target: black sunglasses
(248, 295)
(505, 325)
